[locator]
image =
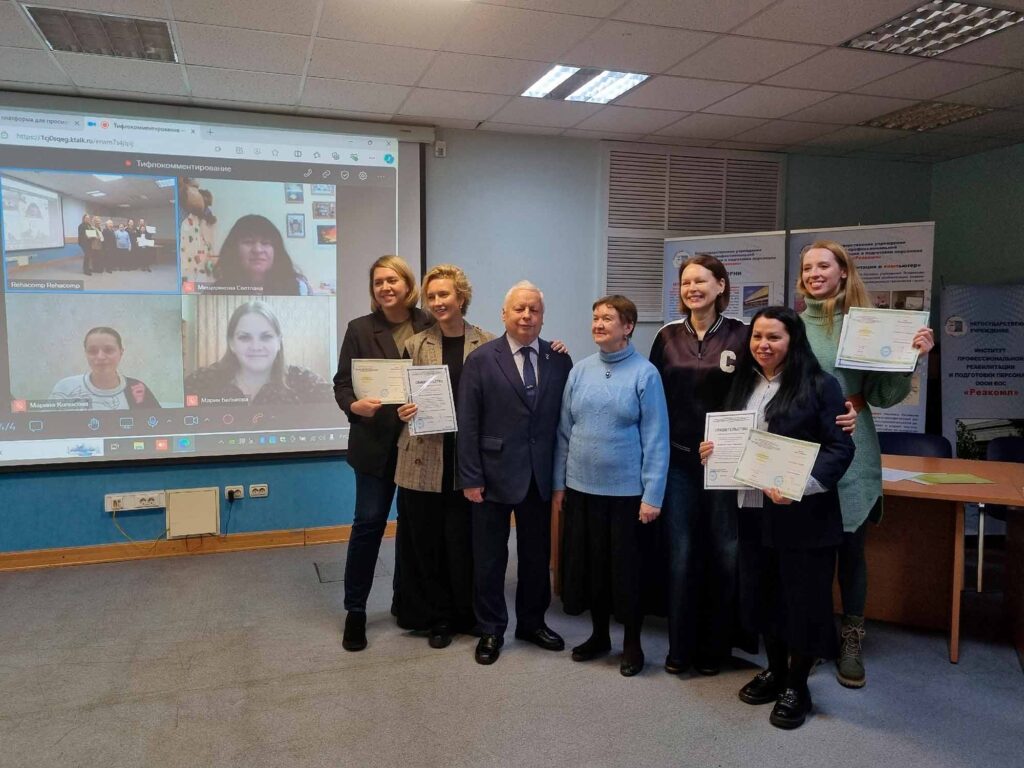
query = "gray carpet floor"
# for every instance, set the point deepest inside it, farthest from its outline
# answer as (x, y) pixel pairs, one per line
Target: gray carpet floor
(236, 660)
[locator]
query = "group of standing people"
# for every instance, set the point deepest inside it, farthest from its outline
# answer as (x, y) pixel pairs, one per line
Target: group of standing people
(615, 445)
(107, 247)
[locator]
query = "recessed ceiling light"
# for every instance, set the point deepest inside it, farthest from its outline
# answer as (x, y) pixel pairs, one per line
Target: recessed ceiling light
(103, 34)
(550, 80)
(598, 86)
(107, 177)
(96, 193)
(935, 28)
(926, 116)
(606, 86)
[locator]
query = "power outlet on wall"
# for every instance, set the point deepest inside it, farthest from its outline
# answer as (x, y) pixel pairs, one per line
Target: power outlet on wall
(259, 491)
(234, 492)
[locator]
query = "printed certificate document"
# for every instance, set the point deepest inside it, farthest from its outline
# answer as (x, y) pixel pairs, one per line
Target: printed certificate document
(430, 388)
(728, 430)
(774, 461)
(384, 379)
(879, 339)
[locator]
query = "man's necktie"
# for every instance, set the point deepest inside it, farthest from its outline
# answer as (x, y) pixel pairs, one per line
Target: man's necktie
(529, 375)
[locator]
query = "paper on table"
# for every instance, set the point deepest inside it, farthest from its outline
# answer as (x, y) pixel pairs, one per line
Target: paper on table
(728, 430)
(774, 461)
(879, 339)
(949, 478)
(895, 475)
(430, 388)
(382, 379)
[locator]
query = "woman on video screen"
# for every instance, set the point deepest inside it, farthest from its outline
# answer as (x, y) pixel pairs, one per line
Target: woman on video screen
(104, 387)
(254, 365)
(254, 256)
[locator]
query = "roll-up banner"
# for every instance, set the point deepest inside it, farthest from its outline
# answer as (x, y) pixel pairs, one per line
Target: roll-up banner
(895, 263)
(982, 343)
(756, 263)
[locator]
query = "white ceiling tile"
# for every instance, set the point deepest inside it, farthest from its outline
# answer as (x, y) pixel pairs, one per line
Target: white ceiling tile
(841, 69)
(348, 96)
(630, 120)
(704, 126)
(630, 47)
(743, 59)
(564, 114)
(540, 130)
(214, 46)
(410, 23)
(15, 30)
(1002, 122)
(766, 101)
(579, 133)
(30, 66)
(784, 132)
(719, 16)
(151, 9)
(294, 16)
(492, 30)
(482, 74)
(749, 146)
(1005, 91)
(849, 108)
(428, 102)
(680, 93)
(130, 75)
(596, 8)
(1002, 49)
(238, 85)
(855, 137)
(369, 62)
(931, 79)
(921, 142)
(812, 21)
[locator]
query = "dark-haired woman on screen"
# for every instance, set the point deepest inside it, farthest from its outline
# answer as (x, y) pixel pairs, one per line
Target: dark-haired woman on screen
(254, 259)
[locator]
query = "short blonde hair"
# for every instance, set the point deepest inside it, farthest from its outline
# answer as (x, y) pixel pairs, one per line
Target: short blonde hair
(463, 288)
(402, 269)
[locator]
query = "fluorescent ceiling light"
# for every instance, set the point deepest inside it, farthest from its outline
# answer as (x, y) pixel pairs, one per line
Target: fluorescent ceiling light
(550, 80)
(935, 28)
(926, 116)
(96, 193)
(163, 183)
(107, 177)
(606, 86)
(103, 34)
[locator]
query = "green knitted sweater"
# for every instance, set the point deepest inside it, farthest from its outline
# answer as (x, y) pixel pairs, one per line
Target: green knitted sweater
(861, 486)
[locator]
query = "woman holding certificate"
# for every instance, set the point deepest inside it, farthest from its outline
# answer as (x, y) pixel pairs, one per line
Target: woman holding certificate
(434, 547)
(611, 456)
(830, 286)
(373, 427)
(788, 548)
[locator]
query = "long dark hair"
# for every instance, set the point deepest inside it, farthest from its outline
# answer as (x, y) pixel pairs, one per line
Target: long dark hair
(283, 278)
(801, 372)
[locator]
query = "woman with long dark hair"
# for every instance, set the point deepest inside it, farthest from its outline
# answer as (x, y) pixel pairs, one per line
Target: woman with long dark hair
(787, 548)
(253, 258)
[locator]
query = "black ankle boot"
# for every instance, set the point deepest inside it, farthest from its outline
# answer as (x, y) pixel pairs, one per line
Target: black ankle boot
(354, 636)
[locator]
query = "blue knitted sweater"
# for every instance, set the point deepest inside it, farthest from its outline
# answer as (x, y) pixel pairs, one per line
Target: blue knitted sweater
(613, 431)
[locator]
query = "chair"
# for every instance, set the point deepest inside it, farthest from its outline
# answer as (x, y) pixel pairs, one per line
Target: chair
(915, 444)
(999, 449)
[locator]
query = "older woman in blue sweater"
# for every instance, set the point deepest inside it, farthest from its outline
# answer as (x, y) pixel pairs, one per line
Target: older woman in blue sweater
(611, 460)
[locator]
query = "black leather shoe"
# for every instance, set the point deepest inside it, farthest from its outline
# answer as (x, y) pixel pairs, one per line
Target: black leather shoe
(763, 689)
(543, 637)
(632, 664)
(354, 636)
(791, 709)
(488, 649)
(674, 666)
(591, 648)
(707, 667)
(440, 636)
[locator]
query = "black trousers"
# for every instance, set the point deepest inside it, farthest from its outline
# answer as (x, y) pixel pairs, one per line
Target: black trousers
(491, 526)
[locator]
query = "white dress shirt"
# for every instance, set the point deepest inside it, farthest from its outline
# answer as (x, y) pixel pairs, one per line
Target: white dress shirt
(515, 346)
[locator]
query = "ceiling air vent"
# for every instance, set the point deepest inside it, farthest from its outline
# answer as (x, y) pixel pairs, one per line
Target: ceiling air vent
(104, 34)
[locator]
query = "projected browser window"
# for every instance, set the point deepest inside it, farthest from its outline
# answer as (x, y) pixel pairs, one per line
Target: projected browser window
(172, 289)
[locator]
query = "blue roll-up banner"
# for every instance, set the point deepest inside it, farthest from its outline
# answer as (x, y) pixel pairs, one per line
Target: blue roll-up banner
(757, 269)
(982, 343)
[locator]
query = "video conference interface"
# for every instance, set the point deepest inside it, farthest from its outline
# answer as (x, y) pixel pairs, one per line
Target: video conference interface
(172, 288)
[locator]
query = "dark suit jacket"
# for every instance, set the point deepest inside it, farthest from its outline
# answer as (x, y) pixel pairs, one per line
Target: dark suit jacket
(502, 443)
(816, 521)
(372, 442)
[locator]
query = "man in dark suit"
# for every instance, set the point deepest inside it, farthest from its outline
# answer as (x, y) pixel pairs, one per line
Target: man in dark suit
(509, 401)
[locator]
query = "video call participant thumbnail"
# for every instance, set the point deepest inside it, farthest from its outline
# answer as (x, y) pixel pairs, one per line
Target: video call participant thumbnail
(254, 259)
(104, 387)
(253, 370)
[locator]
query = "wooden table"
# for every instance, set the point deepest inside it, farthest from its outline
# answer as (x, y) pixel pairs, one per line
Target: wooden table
(916, 556)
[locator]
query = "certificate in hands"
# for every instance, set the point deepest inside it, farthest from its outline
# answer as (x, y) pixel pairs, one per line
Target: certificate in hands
(382, 379)
(879, 339)
(774, 461)
(728, 430)
(430, 388)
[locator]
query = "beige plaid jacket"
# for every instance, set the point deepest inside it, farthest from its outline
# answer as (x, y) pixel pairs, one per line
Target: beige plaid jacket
(421, 459)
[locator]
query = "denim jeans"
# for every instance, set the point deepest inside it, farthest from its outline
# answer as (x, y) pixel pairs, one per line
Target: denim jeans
(373, 503)
(702, 546)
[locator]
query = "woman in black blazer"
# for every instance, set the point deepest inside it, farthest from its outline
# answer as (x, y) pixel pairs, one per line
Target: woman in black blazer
(787, 548)
(373, 427)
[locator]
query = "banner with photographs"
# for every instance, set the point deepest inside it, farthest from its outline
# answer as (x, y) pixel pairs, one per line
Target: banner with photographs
(895, 262)
(982, 341)
(757, 269)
